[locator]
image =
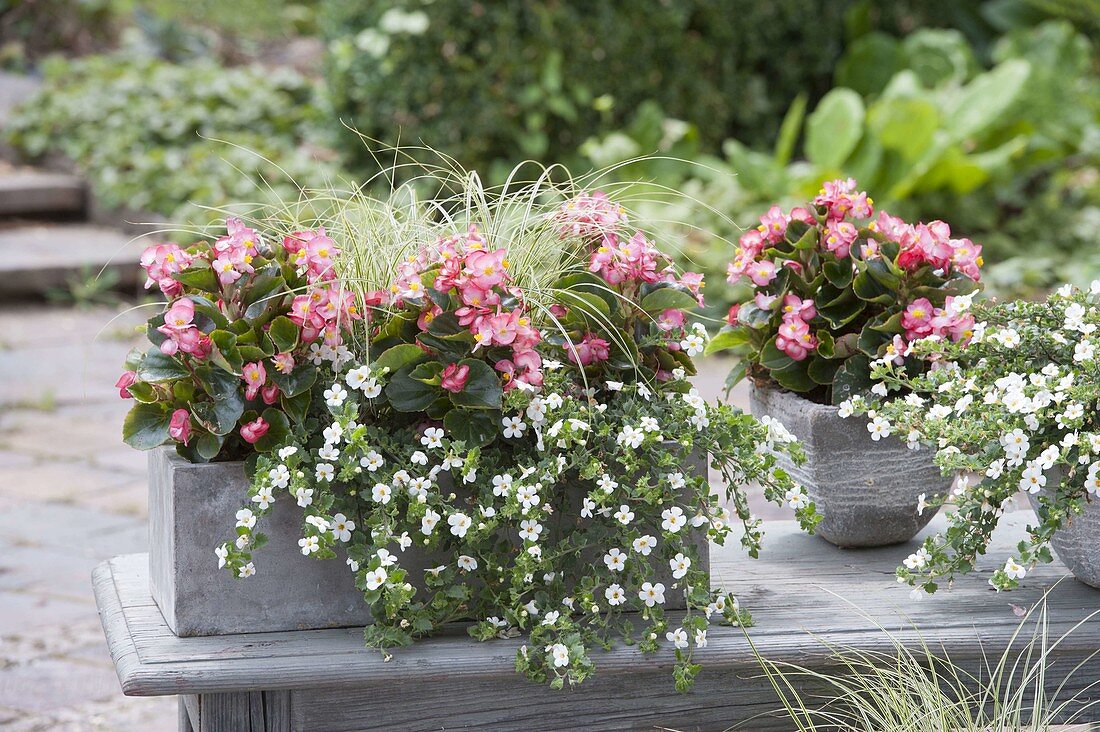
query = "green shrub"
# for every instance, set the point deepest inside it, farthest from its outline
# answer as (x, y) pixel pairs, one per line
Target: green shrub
(153, 136)
(517, 79)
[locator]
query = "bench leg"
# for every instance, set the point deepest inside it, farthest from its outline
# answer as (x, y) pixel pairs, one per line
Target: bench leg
(246, 711)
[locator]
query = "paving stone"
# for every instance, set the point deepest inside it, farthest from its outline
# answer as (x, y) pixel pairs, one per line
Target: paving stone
(49, 685)
(36, 192)
(50, 571)
(57, 482)
(14, 90)
(57, 526)
(36, 259)
(21, 614)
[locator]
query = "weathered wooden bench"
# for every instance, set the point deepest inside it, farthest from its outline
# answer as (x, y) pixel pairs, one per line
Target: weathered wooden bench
(327, 680)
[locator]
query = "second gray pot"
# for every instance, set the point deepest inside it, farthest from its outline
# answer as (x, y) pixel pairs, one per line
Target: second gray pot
(1077, 543)
(866, 491)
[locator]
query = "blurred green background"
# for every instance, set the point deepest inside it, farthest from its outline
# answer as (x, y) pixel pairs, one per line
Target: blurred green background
(984, 114)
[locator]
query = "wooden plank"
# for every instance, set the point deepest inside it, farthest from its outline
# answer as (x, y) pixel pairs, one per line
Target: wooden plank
(183, 722)
(191, 704)
(225, 713)
(277, 711)
(32, 192)
(803, 585)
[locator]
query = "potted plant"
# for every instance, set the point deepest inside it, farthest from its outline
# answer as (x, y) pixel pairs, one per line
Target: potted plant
(1014, 409)
(505, 434)
(834, 287)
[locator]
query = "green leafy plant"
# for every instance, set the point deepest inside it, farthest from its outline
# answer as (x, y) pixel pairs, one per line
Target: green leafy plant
(834, 289)
(148, 133)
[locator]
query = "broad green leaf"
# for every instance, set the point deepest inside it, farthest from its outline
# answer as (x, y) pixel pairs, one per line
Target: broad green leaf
(822, 370)
(446, 324)
(475, 427)
(225, 353)
(795, 377)
(841, 313)
(284, 333)
(406, 394)
(868, 63)
(672, 297)
(428, 372)
(789, 129)
(277, 431)
(772, 358)
(839, 272)
(208, 445)
(156, 367)
(219, 415)
(146, 426)
(483, 389)
(727, 338)
(590, 283)
(199, 276)
(142, 392)
(398, 357)
(905, 125)
(834, 128)
(297, 406)
(854, 377)
(297, 381)
(984, 100)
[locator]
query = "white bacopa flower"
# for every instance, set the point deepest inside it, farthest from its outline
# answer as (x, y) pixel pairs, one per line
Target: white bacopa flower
(418, 458)
(613, 385)
(309, 544)
(678, 638)
(304, 496)
(387, 559)
(614, 595)
(325, 472)
(404, 541)
(432, 438)
(287, 451)
(607, 483)
(371, 388)
(649, 424)
(644, 544)
(245, 518)
(631, 437)
(279, 476)
(922, 503)
(679, 565)
(918, 559)
(652, 594)
(615, 560)
(553, 401)
(328, 452)
(375, 578)
(1014, 570)
(335, 395)
(673, 519)
(587, 507)
(333, 433)
(879, 427)
(243, 541)
(357, 377)
(222, 553)
(353, 565)
(528, 495)
(342, 527)
(467, 563)
(700, 421)
(318, 522)
(513, 427)
(460, 523)
(428, 522)
(624, 515)
(693, 344)
(530, 530)
(700, 639)
(796, 498)
(372, 461)
(248, 570)
(551, 617)
(536, 411)
(845, 409)
(1032, 479)
(264, 498)
(502, 484)
(560, 653)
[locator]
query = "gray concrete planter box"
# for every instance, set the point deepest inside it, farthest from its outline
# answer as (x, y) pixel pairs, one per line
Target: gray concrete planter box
(191, 511)
(866, 491)
(1077, 543)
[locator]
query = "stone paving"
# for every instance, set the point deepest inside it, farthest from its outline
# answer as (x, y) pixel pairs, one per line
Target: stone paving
(72, 495)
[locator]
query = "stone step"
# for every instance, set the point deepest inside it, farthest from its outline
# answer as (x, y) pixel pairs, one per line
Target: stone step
(37, 258)
(29, 193)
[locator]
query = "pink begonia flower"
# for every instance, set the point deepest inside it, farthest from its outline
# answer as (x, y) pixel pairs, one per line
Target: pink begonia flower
(592, 349)
(179, 426)
(731, 316)
(804, 215)
(917, 319)
(762, 273)
(160, 262)
(253, 431)
(270, 394)
(839, 237)
(794, 306)
(967, 258)
(523, 368)
(487, 269)
(284, 362)
(897, 349)
(841, 200)
(773, 224)
(254, 376)
(182, 335)
(225, 270)
(558, 310)
(427, 316)
(764, 301)
(589, 216)
(180, 315)
(455, 377)
(670, 319)
(124, 383)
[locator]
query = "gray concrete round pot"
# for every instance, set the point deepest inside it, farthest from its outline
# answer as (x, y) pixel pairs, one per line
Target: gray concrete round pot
(866, 491)
(1077, 543)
